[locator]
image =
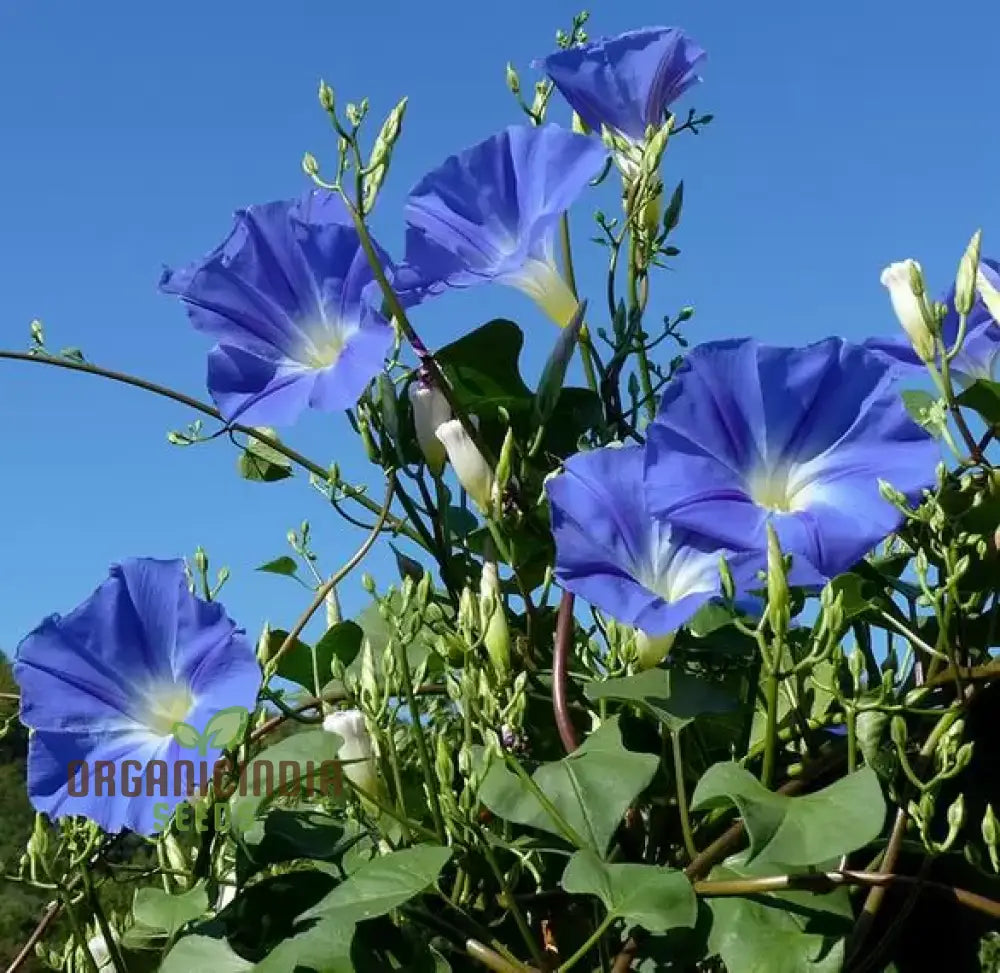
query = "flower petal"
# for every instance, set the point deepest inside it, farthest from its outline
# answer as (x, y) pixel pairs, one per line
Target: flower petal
(748, 434)
(626, 82)
(611, 552)
(484, 212)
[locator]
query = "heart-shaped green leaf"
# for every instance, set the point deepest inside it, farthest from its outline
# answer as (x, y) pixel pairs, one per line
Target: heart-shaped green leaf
(650, 896)
(579, 787)
(797, 831)
(674, 698)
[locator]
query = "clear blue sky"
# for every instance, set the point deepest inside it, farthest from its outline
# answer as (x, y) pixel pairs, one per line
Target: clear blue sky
(846, 136)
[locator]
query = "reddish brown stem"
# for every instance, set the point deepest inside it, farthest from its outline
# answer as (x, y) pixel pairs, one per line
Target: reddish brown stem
(560, 663)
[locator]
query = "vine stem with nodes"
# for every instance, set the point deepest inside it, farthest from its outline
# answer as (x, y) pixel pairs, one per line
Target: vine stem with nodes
(320, 596)
(397, 526)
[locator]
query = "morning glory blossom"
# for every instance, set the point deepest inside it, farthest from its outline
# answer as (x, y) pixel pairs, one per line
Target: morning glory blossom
(749, 433)
(980, 354)
(109, 681)
(490, 213)
(613, 552)
(291, 300)
(627, 82)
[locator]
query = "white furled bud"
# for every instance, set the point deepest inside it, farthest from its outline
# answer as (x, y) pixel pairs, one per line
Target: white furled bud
(349, 725)
(430, 410)
(470, 467)
(908, 303)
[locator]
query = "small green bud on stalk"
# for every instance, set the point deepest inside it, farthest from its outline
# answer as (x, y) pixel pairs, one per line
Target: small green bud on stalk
(513, 81)
(326, 98)
(493, 616)
(778, 601)
(965, 282)
(991, 837)
(651, 650)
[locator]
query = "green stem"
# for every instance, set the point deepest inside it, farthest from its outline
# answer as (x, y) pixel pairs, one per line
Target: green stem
(397, 782)
(421, 740)
(140, 383)
(645, 377)
(114, 953)
(79, 933)
(594, 939)
(320, 596)
(569, 275)
(771, 687)
(376, 801)
(515, 910)
(682, 801)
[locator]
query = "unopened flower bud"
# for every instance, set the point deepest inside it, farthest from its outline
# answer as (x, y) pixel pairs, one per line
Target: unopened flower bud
(991, 836)
(504, 464)
(513, 81)
(965, 282)
(471, 468)
(356, 752)
(579, 125)
(904, 281)
(651, 650)
(778, 604)
(326, 98)
(430, 410)
(494, 618)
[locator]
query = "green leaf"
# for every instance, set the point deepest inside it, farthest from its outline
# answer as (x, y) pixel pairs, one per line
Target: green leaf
(382, 884)
(655, 898)
(167, 914)
(673, 697)
(708, 619)
(308, 750)
(287, 834)
(263, 463)
(281, 565)
(983, 396)
(483, 368)
(375, 889)
(578, 786)
(227, 727)
(926, 411)
(797, 831)
(197, 952)
(575, 414)
(460, 521)
(186, 736)
(860, 595)
(407, 566)
(554, 372)
(342, 641)
(787, 932)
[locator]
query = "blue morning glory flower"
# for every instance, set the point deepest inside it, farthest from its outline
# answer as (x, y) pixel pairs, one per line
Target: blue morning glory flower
(611, 551)
(626, 82)
(980, 354)
(748, 433)
(291, 300)
(490, 214)
(109, 681)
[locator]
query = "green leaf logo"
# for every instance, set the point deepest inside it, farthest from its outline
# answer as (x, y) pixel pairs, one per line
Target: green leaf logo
(186, 735)
(224, 730)
(227, 727)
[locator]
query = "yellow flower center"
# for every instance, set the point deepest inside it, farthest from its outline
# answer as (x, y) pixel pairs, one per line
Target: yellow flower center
(165, 706)
(777, 490)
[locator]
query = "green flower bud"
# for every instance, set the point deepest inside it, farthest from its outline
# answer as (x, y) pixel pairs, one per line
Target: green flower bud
(513, 81)
(898, 732)
(778, 602)
(651, 650)
(326, 98)
(368, 583)
(991, 837)
(493, 617)
(504, 464)
(965, 282)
